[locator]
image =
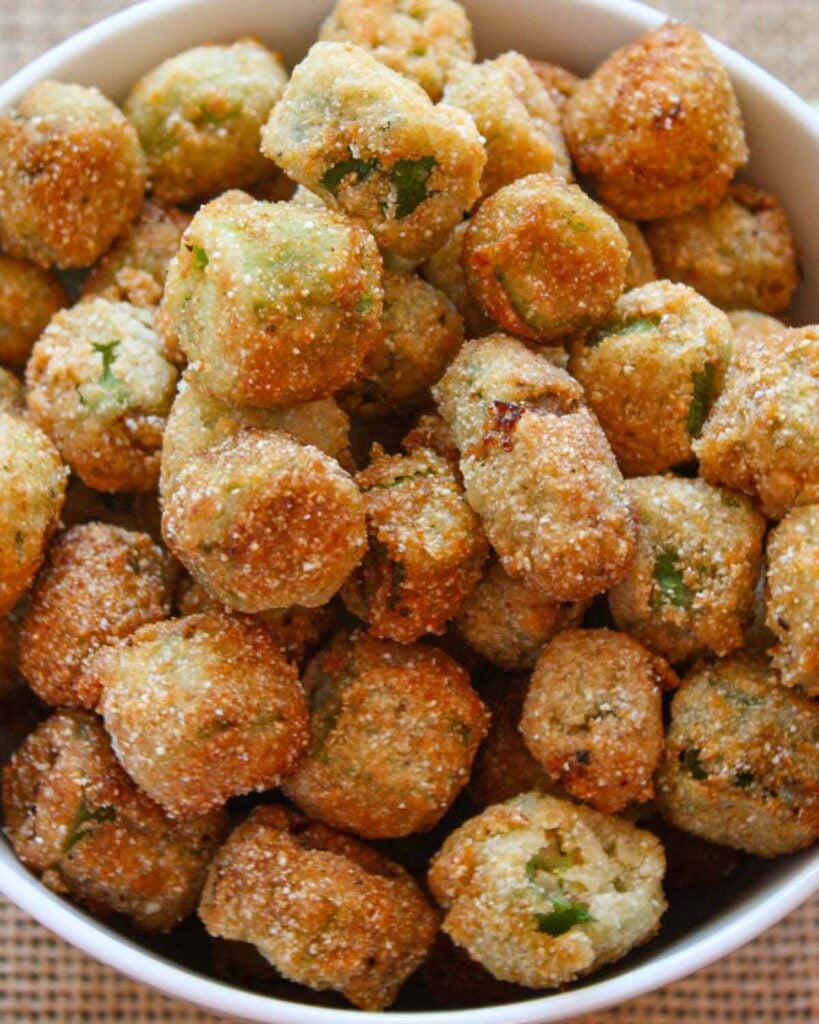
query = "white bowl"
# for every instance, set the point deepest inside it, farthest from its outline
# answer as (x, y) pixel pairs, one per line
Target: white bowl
(784, 138)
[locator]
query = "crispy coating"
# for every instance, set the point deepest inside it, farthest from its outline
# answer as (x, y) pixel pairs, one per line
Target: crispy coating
(593, 716)
(273, 303)
(426, 546)
(445, 270)
(420, 334)
(198, 421)
(134, 268)
(100, 583)
(748, 324)
(792, 598)
(657, 126)
(199, 116)
(537, 469)
(72, 175)
(741, 764)
(559, 81)
(324, 909)
(421, 39)
(652, 373)
(515, 115)
(100, 387)
(508, 621)
(32, 492)
(640, 268)
(29, 297)
(12, 395)
(543, 259)
(137, 512)
(763, 434)
(76, 820)
(372, 144)
(741, 254)
(541, 891)
(431, 431)
(199, 709)
(9, 653)
(393, 732)
(690, 588)
(263, 522)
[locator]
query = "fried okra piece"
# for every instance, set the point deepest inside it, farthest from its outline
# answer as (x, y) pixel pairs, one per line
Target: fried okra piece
(198, 421)
(748, 324)
(741, 760)
(100, 583)
(372, 144)
(792, 597)
(690, 588)
(393, 732)
(431, 431)
(32, 492)
(273, 303)
(77, 821)
(100, 387)
(657, 126)
(72, 175)
(263, 522)
(420, 39)
(420, 334)
(537, 469)
(426, 546)
(508, 621)
(325, 909)
(29, 297)
(763, 433)
(12, 395)
(741, 254)
(515, 115)
(135, 268)
(541, 891)
(199, 709)
(199, 116)
(559, 81)
(640, 268)
(543, 259)
(593, 716)
(652, 373)
(445, 270)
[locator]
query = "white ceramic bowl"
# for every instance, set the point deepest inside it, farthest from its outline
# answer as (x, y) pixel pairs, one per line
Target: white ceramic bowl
(784, 139)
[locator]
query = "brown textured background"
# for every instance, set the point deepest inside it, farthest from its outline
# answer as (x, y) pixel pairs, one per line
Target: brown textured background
(774, 980)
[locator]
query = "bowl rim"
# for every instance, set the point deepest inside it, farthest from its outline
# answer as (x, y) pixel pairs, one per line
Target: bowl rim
(718, 938)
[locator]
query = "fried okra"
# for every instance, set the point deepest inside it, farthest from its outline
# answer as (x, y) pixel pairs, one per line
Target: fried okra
(426, 546)
(135, 268)
(198, 421)
(324, 909)
(393, 732)
(273, 303)
(741, 761)
(12, 395)
(421, 39)
(748, 324)
(640, 268)
(741, 254)
(763, 433)
(508, 621)
(29, 297)
(690, 587)
(560, 82)
(593, 716)
(516, 117)
(263, 522)
(100, 387)
(199, 709)
(541, 891)
(32, 492)
(76, 820)
(445, 270)
(72, 175)
(792, 597)
(99, 583)
(657, 126)
(199, 116)
(420, 334)
(652, 373)
(372, 144)
(537, 469)
(543, 259)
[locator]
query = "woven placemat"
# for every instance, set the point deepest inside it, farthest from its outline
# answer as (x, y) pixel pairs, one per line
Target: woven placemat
(774, 980)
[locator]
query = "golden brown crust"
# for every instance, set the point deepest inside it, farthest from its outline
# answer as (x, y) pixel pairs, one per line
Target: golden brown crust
(560, 82)
(29, 297)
